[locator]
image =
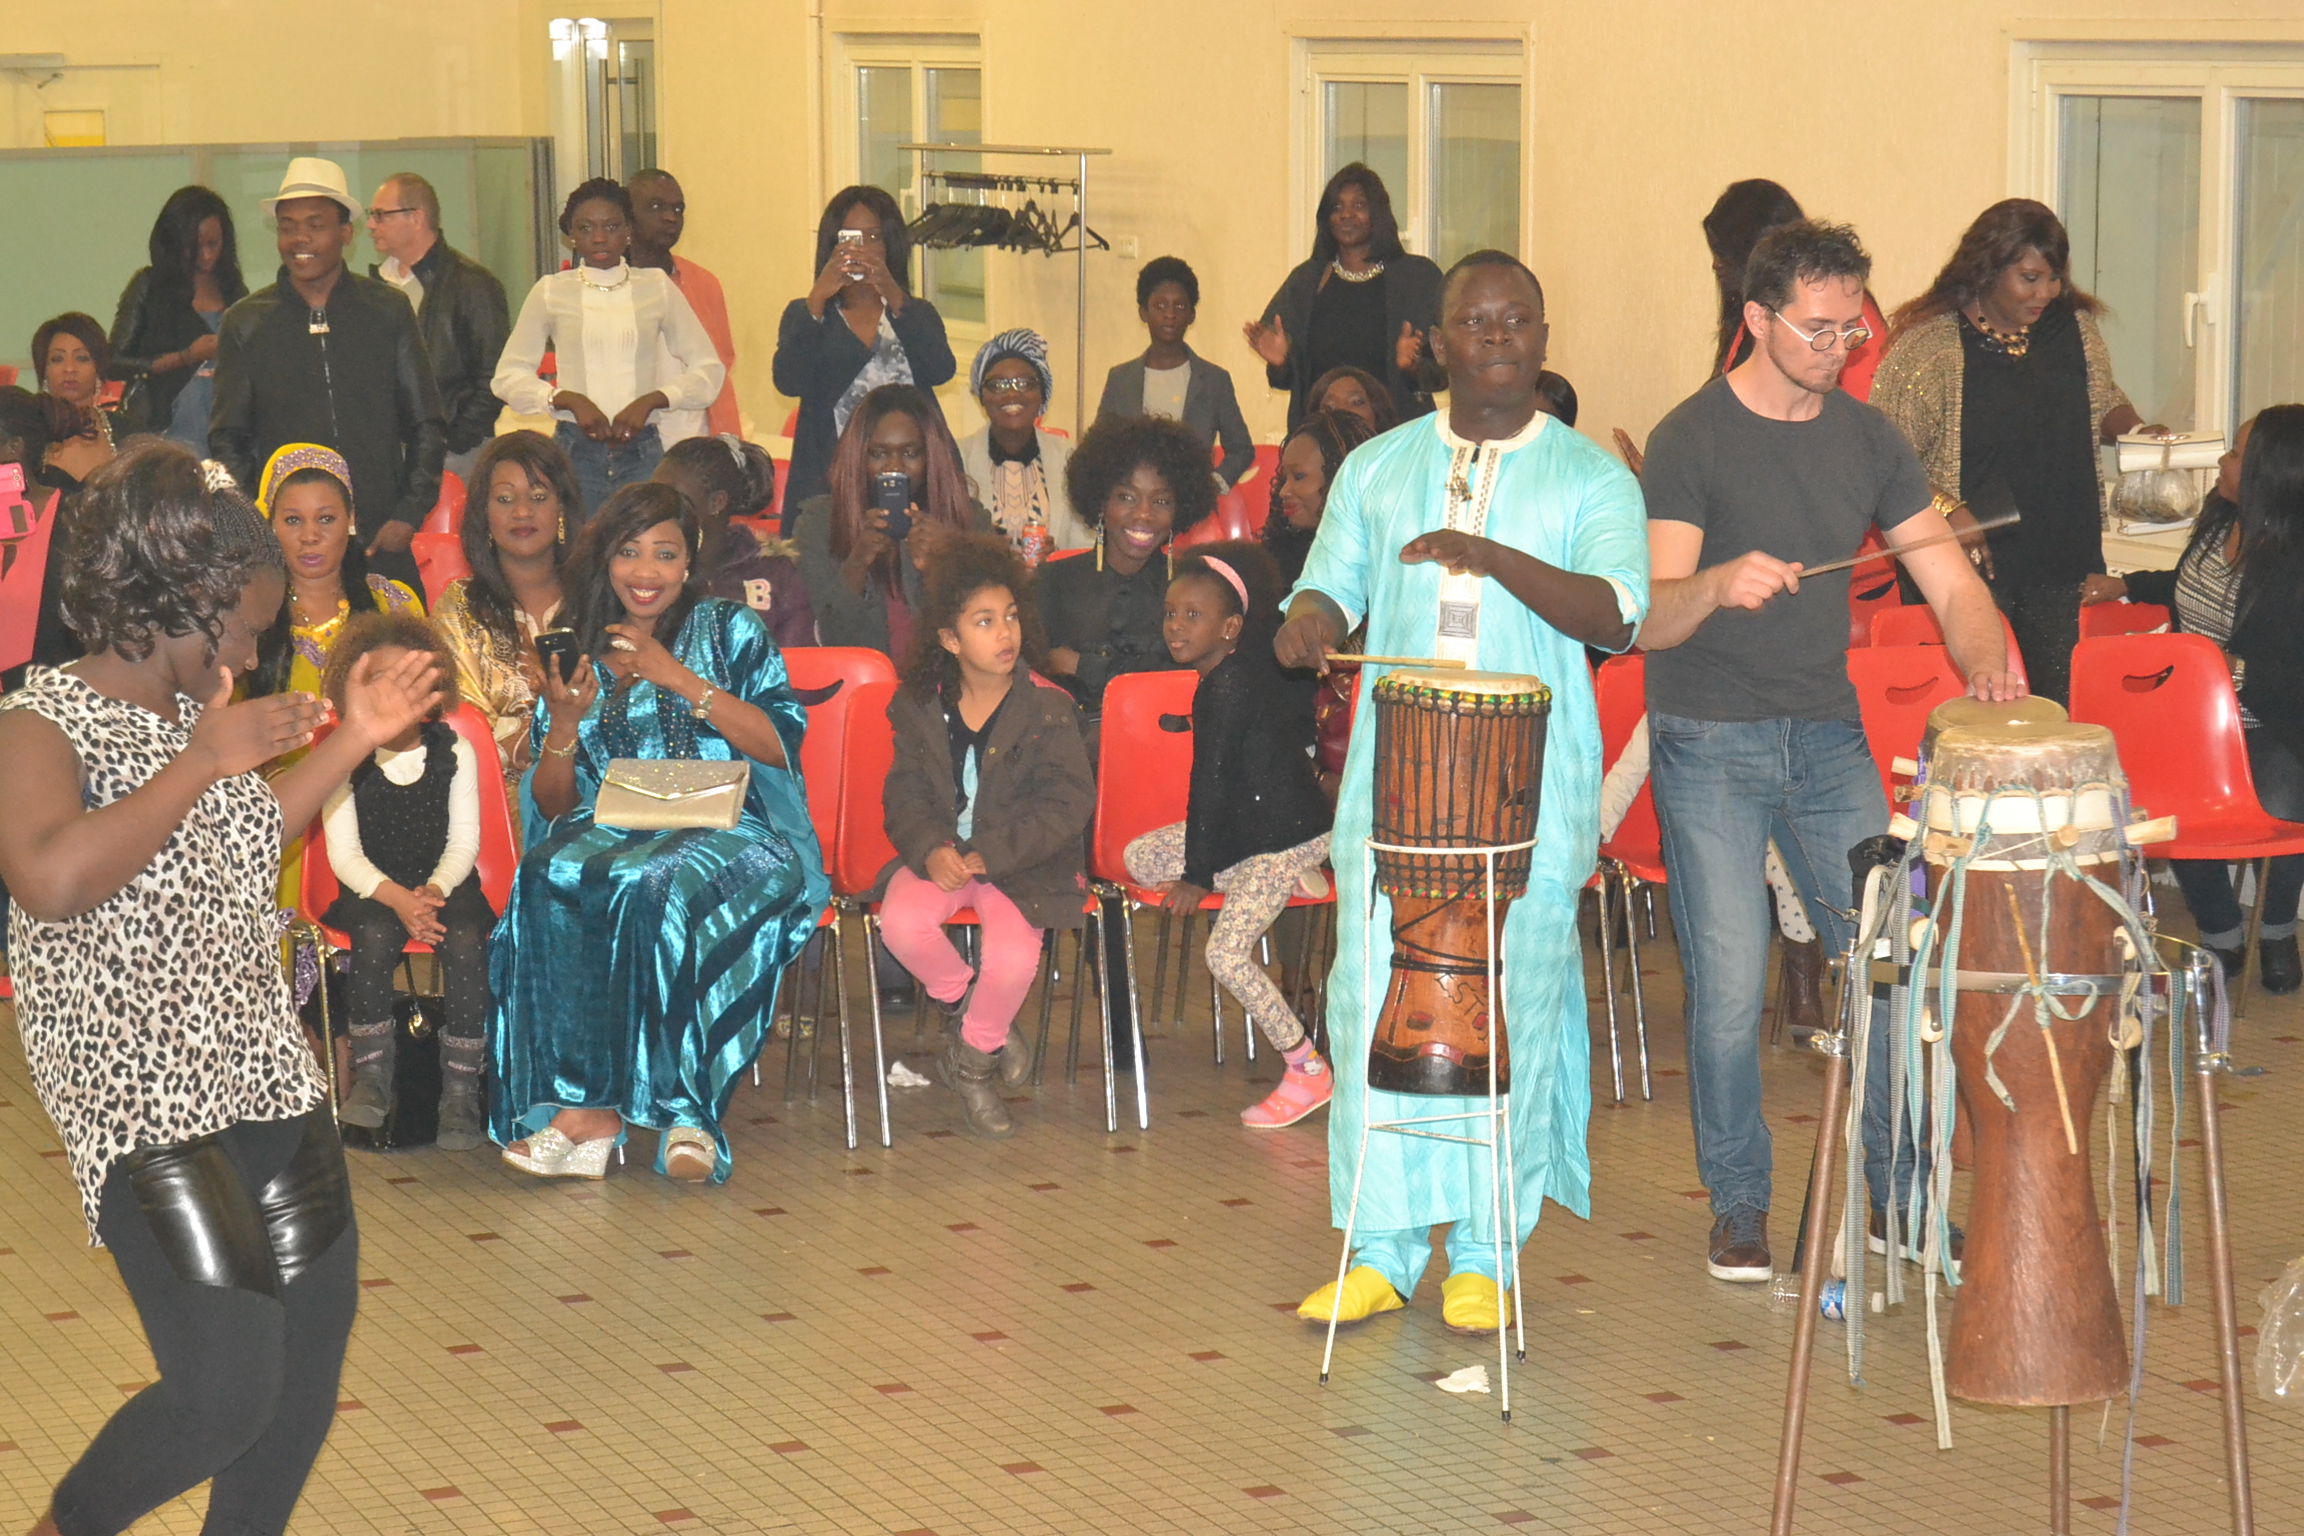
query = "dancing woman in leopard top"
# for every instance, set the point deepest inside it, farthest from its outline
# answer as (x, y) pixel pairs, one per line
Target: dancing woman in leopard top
(140, 849)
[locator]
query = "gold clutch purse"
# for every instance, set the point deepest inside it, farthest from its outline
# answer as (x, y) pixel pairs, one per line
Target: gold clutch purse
(651, 795)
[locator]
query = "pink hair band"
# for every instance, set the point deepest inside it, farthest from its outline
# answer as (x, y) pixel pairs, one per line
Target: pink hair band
(1230, 575)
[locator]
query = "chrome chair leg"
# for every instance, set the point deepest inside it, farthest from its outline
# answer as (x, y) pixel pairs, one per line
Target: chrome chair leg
(1160, 962)
(1079, 993)
(837, 963)
(1639, 1001)
(1048, 978)
(879, 1042)
(1135, 1023)
(1606, 891)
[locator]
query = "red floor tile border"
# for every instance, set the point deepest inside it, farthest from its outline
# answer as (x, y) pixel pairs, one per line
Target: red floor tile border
(1265, 1491)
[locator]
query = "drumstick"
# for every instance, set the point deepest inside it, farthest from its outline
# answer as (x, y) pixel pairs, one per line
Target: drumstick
(1346, 659)
(2047, 1031)
(2008, 520)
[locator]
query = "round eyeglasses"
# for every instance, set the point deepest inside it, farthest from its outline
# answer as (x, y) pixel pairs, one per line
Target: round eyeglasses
(1822, 341)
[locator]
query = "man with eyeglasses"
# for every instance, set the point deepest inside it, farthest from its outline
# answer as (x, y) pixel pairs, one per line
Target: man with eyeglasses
(460, 308)
(326, 356)
(659, 218)
(1753, 725)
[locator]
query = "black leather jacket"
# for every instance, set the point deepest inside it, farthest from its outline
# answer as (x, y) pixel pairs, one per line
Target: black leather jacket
(361, 385)
(464, 320)
(146, 326)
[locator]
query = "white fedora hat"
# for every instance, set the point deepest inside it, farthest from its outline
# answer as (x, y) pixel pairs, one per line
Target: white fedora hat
(311, 177)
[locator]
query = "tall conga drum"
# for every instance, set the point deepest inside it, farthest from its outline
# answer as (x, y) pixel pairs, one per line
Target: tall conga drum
(1459, 764)
(2036, 1319)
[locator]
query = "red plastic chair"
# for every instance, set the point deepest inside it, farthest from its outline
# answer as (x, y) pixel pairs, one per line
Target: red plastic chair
(1630, 859)
(775, 513)
(23, 572)
(1897, 687)
(439, 560)
(2169, 702)
(792, 423)
(1915, 624)
(2122, 618)
(1066, 554)
(1871, 588)
(447, 515)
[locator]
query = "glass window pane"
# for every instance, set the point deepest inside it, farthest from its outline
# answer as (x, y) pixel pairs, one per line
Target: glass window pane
(954, 280)
(2268, 341)
(2131, 200)
(1367, 121)
(634, 103)
(883, 121)
(1473, 141)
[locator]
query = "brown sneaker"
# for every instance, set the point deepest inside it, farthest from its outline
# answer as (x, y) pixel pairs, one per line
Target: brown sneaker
(1740, 1247)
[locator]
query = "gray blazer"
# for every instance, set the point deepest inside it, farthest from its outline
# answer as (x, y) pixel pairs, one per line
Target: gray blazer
(1211, 410)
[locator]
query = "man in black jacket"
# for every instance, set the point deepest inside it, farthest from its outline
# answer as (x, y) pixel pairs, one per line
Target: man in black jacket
(459, 303)
(325, 356)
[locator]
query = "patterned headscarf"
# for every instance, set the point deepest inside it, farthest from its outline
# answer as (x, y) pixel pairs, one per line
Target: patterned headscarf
(292, 457)
(1022, 342)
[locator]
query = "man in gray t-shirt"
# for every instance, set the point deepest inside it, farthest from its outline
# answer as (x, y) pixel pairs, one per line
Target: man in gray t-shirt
(1753, 726)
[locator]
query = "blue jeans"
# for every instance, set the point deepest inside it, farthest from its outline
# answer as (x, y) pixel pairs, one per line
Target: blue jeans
(1723, 788)
(605, 467)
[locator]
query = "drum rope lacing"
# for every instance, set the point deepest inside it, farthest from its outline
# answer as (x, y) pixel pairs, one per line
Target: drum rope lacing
(1927, 1091)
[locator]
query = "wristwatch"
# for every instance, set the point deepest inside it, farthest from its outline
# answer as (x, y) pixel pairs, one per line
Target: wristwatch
(702, 708)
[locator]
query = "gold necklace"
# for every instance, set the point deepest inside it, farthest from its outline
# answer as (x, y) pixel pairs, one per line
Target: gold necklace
(1375, 270)
(2015, 343)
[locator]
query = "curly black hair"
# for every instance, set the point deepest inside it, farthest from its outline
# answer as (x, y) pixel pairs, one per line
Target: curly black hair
(1255, 567)
(1116, 447)
(600, 189)
(365, 632)
(967, 566)
(159, 549)
(1166, 269)
(744, 474)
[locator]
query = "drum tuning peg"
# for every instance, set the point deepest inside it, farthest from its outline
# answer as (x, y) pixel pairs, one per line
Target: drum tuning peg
(2066, 837)
(1931, 1027)
(1945, 845)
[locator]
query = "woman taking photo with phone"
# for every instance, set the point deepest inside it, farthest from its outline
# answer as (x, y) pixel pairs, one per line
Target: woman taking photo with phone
(897, 495)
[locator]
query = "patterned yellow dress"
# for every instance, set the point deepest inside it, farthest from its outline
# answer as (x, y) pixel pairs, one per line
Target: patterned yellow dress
(501, 680)
(306, 664)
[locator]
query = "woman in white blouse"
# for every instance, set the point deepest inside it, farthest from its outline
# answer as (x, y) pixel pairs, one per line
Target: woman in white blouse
(628, 347)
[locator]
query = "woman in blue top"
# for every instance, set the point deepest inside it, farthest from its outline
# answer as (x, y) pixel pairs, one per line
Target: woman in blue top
(634, 973)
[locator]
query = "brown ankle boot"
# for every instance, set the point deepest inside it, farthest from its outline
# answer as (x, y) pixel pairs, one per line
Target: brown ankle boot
(1803, 998)
(976, 1077)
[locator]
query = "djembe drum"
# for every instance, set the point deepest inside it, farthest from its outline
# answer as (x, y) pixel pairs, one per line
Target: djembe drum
(2036, 1320)
(1459, 764)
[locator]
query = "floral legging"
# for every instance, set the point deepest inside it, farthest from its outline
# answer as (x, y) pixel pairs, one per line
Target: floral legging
(1255, 891)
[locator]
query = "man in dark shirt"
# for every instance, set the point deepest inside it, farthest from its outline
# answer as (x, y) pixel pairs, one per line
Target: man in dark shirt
(459, 306)
(325, 356)
(1754, 728)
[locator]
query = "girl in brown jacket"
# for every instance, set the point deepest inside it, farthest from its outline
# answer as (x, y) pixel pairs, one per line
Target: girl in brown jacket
(986, 804)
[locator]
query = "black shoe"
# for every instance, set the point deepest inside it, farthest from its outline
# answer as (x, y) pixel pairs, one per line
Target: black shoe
(2279, 968)
(2234, 961)
(1740, 1249)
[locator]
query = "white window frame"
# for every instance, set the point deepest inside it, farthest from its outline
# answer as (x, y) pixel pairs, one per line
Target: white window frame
(920, 51)
(1417, 62)
(2220, 75)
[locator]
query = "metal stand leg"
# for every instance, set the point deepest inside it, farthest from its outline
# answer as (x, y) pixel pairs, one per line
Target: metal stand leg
(1607, 894)
(837, 963)
(2059, 1471)
(2252, 947)
(2207, 1064)
(1812, 1268)
(1344, 1259)
(1626, 882)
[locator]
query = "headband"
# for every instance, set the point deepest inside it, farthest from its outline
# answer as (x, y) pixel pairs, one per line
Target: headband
(296, 456)
(735, 447)
(1230, 575)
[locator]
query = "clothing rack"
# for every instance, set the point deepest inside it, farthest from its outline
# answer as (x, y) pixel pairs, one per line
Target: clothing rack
(1075, 185)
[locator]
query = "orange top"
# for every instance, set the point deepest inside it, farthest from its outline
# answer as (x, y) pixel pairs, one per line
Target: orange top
(702, 291)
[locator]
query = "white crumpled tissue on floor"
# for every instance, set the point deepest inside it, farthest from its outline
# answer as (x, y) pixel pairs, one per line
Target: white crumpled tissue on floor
(902, 1076)
(1473, 1378)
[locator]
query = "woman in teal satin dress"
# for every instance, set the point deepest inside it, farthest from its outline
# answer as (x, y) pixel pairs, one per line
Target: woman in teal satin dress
(635, 973)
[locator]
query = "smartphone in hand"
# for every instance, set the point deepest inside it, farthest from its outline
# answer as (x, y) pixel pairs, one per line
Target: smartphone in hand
(556, 648)
(892, 494)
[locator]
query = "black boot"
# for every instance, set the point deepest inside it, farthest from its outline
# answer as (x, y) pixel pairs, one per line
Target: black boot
(975, 1075)
(463, 1113)
(369, 1104)
(1015, 1055)
(1803, 994)
(2234, 961)
(2279, 970)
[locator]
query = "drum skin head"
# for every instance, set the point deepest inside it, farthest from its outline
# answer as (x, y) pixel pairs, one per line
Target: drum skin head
(1969, 714)
(1488, 683)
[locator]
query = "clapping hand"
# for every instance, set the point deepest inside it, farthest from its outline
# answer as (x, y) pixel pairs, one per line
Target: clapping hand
(240, 738)
(382, 703)
(1269, 342)
(1408, 348)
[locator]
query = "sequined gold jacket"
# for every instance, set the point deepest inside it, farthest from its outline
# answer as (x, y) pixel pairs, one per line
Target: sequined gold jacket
(1919, 387)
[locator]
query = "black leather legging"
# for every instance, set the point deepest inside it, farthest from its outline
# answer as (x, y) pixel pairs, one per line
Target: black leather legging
(240, 1252)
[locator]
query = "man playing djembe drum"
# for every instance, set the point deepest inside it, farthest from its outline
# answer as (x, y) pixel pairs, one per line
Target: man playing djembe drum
(1752, 722)
(1492, 536)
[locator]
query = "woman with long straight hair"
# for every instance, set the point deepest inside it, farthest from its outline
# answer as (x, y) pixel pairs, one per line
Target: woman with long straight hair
(2000, 378)
(164, 331)
(1361, 300)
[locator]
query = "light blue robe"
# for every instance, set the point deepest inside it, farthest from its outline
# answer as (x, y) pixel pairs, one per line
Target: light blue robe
(1563, 500)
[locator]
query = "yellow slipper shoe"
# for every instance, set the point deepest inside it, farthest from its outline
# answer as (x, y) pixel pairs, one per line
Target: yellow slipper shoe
(1471, 1304)
(1366, 1293)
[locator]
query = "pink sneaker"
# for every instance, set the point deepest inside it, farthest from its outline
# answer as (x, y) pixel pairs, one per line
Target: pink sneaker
(1298, 1095)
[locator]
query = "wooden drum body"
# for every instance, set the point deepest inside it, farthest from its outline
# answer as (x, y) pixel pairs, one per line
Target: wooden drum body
(2036, 1319)
(1459, 763)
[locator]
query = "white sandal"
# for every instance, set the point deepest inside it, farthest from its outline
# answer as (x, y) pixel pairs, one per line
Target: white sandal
(689, 1145)
(552, 1155)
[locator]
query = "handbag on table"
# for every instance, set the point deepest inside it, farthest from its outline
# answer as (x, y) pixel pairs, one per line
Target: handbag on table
(656, 795)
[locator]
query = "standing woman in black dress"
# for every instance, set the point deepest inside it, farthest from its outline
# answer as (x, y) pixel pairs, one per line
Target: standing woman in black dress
(140, 849)
(1362, 301)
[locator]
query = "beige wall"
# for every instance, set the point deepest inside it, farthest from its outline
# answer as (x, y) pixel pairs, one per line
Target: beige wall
(1895, 117)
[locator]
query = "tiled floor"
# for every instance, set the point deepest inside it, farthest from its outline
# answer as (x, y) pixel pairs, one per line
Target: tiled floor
(1071, 1332)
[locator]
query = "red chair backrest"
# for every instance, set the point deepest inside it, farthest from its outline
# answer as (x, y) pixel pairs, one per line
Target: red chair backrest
(1915, 624)
(499, 850)
(821, 750)
(1896, 687)
(2169, 702)
(447, 515)
(860, 845)
(2121, 618)
(1066, 554)
(792, 423)
(1144, 777)
(775, 512)
(24, 539)
(439, 560)
(1620, 690)
(1234, 518)
(1871, 588)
